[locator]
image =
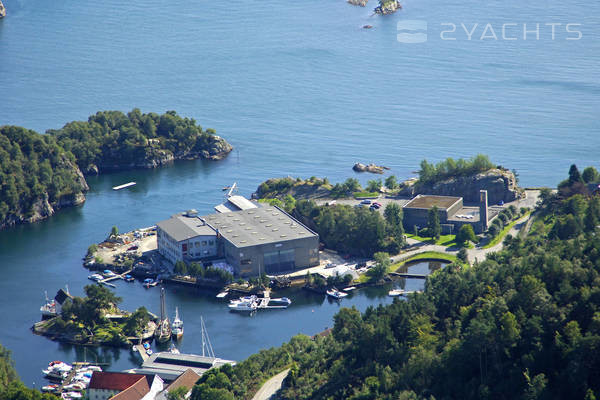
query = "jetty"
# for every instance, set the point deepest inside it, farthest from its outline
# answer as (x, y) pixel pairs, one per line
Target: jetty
(408, 275)
(106, 281)
(140, 349)
(123, 186)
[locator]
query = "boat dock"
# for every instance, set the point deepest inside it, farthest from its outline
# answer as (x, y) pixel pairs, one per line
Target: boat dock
(407, 275)
(140, 349)
(123, 186)
(106, 281)
(263, 303)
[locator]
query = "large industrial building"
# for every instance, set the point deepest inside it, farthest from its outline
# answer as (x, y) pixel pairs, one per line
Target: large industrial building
(452, 213)
(252, 240)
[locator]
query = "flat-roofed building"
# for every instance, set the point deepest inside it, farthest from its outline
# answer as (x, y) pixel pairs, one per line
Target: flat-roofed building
(169, 366)
(451, 211)
(264, 240)
(185, 237)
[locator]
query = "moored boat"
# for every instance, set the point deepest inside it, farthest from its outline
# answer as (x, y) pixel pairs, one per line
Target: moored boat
(244, 304)
(177, 325)
(283, 301)
(396, 292)
(49, 308)
(336, 294)
(163, 331)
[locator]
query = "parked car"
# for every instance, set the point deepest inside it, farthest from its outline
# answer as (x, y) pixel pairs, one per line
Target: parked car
(374, 207)
(365, 201)
(377, 204)
(132, 248)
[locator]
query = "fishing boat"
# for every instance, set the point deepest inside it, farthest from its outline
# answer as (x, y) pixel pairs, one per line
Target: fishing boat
(163, 331)
(177, 325)
(336, 294)
(49, 308)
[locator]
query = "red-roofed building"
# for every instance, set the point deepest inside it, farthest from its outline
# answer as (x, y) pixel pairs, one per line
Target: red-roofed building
(106, 385)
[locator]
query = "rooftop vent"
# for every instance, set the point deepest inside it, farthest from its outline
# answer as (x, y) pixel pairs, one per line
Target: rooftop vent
(275, 229)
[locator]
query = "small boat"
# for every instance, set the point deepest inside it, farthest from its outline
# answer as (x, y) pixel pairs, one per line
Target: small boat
(163, 330)
(336, 294)
(50, 388)
(96, 277)
(396, 292)
(149, 352)
(108, 273)
(349, 289)
(222, 294)
(146, 345)
(283, 301)
(149, 282)
(243, 305)
(173, 349)
(177, 325)
(49, 308)
(128, 278)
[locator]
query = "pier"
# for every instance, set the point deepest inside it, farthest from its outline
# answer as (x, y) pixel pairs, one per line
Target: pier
(407, 275)
(140, 349)
(106, 281)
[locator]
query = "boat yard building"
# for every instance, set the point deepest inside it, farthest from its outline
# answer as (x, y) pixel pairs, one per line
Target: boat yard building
(264, 240)
(252, 240)
(451, 211)
(185, 237)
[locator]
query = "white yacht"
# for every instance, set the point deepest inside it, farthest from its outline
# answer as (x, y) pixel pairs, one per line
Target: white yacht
(396, 292)
(177, 325)
(243, 304)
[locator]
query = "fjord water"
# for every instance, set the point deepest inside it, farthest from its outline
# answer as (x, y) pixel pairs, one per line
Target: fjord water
(299, 89)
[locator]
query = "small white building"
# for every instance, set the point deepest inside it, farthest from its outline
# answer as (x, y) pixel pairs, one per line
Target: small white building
(186, 237)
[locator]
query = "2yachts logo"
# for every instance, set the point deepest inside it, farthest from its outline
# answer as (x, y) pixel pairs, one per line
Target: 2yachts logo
(416, 31)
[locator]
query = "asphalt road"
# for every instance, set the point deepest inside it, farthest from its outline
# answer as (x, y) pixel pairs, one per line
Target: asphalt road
(270, 387)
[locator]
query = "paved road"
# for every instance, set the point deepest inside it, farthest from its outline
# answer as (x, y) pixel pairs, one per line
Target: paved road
(476, 253)
(270, 387)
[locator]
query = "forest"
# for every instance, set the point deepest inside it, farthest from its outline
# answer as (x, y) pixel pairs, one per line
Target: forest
(36, 174)
(112, 140)
(523, 324)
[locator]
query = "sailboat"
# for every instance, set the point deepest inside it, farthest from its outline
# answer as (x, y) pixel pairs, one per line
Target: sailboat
(163, 331)
(207, 349)
(177, 326)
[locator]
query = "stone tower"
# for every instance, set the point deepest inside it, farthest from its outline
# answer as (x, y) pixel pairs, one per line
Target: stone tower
(483, 210)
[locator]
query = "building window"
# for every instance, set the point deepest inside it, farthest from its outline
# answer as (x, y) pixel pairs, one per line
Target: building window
(211, 242)
(204, 243)
(246, 261)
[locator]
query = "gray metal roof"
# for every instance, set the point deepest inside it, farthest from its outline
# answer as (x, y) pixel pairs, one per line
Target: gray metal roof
(258, 226)
(181, 227)
(235, 203)
(170, 366)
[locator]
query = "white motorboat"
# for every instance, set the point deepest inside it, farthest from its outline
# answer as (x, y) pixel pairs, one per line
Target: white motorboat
(243, 305)
(177, 325)
(283, 301)
(336, 294)
(396, 292)
(223, 294)
(95, 277)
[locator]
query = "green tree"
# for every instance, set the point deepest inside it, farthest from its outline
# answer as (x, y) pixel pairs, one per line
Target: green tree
(466, 234)
(393, 217)
(180, 268)
(374, 185)
(433, 223)
(382, 262)
(590, 175)
(574, 175)
(391, 182)
(352, 185)
(114, 232)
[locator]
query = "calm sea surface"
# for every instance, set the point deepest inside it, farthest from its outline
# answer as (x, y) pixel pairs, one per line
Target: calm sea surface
(299, 89)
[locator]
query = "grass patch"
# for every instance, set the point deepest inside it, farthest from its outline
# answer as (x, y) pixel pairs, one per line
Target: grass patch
(427, 255)
(498, 238)
(362, 195)
(444, 240)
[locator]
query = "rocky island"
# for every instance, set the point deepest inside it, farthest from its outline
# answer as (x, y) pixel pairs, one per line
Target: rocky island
(2, 10)
(40, 174)
(387, 7)
(372, 168)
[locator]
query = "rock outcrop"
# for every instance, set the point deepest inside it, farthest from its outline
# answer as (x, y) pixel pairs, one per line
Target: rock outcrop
(360, 3)
(43, 208)
(501, 185)
(2, 10)
(372, 168)
(388, 7)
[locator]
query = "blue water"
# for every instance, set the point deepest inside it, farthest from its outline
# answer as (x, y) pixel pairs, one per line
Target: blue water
(299, 89)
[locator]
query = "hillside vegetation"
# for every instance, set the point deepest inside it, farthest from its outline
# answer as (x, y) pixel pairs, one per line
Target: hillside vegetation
(523, 324)
(111, 140)
(36, 176)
